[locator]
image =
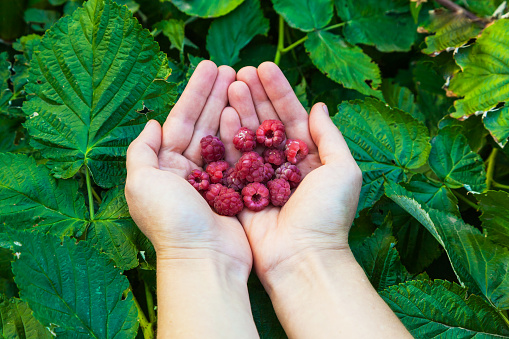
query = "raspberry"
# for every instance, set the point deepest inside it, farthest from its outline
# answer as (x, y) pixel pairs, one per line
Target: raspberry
(274, 156)
(228, 203)
(250, 167)
(212, 149)
(290, 173)
(279, 191)
(244, 140)
(213, 191)
(232, 180)
(268, 172)
(216, 171)
(295, 150)
(256, 196)
(271, 133)
(199, 180)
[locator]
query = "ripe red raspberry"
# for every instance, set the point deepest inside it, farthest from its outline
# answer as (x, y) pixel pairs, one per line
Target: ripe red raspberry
(268, 172)
(250, 167)
(199, 180)
(228, 203)
(295, 150)
(290, 173)
(256, 196)
(244, 140)
(274, 156)
(216, 171)
(212, 149)
(279, 191)
(271, 133)
(213, 191)
(232, 180)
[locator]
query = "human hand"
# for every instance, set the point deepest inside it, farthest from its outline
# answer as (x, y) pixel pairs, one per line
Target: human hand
(318, 215)
(167, 209)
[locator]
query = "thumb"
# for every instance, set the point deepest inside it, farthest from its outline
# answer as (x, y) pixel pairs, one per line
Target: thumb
(144, 150)
(332, 147)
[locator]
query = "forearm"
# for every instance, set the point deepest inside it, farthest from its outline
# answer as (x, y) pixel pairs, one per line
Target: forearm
(327, 295)
(202, 298)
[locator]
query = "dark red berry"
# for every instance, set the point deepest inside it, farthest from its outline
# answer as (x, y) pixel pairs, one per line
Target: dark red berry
(274, 156)
(295, 150)
(212, 149)
(232, 180)
(271, 133)
(290, 173)
(228, 203)
(217, 170)
(244, 140)
(279, 191)
(255, 196)
(213, 191)
(250, 167)
(199, 180)
(268, 172)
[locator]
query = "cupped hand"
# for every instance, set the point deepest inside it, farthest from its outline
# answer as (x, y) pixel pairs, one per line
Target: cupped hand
(167, 209)
(319, 213)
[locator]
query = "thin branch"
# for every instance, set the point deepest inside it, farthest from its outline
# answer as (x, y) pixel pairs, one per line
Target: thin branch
(456, 8)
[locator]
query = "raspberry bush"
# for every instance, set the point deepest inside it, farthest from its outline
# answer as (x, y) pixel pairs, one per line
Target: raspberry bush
(419, 89)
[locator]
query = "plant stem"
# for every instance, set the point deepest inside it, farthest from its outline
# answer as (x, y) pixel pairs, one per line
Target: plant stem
(295, 44)
(96, 196)
(457, 8)
(496, 184)
(465, 199)
(491, 167)
(150, 303)
(334, 26)
(90, 194)
(146, 326)
(280, 40)
(504, 317)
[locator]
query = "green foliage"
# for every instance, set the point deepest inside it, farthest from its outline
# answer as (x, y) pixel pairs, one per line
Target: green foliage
(82, 78)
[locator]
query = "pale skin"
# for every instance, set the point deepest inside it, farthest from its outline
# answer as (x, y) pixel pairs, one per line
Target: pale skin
(300, 252)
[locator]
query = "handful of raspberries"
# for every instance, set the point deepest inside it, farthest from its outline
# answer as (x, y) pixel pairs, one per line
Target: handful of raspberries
(255, 180)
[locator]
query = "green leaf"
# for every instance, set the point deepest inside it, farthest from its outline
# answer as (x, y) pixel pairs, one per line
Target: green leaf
(385, 24)
(379, 258)
(385, 142)
(471, 126)
(5, 74)
(40, 19)
(497, 122)
(229, 34)
(479, 264)
(432, 194)
(7, 286)
(495, 216)
(114, 232)
(71, 285)
(87, 100)
(450, 31)
(343, 63)
(401, 97)
(206, 8)
(484, 80)
(454, 163)
(17, 321)
(174, 30)
(483, 7)
(440, 309)
(31, 199)
(306, 15)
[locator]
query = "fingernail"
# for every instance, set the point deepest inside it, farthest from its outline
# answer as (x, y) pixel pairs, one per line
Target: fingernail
(148, 123)
(325, 109)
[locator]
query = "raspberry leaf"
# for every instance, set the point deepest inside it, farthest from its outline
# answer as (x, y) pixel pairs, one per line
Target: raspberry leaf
(17, 321)
(306, 15)
(366, 20)
(495, 216)
(206, 8)
(478, 263)
(229, 34)
(497, 122)
(343, 63)
(71, 285)
(438, 309)
(484, 80)
(385, 142)
(31, 199)
(87, 102)
(454, 163)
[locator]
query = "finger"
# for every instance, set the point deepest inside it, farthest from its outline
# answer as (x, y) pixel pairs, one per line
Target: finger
(230, 124)
(142, 152)
(287, 105)
(240, 98)
(261, 101)
(179, 127)
(332, 147)
(208, 122)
